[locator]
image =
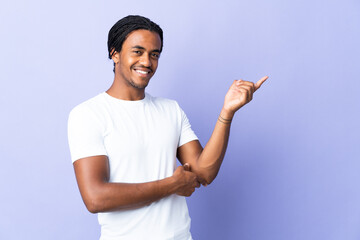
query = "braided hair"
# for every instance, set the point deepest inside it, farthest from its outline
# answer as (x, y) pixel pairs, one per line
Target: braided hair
(119, 32)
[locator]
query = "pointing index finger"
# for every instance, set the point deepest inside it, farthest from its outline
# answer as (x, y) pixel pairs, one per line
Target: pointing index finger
(260, 82)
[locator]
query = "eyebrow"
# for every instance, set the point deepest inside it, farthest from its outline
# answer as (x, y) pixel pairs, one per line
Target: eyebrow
(142, 48)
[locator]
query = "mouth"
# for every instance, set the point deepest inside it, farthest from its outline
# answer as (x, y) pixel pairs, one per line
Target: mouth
(143, 72)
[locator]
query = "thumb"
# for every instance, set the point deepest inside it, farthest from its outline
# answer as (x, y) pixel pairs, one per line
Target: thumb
(187, 167)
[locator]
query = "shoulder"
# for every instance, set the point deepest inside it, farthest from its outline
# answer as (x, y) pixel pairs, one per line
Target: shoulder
(89, 107)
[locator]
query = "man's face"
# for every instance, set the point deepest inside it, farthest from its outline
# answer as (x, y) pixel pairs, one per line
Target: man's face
(138, 59)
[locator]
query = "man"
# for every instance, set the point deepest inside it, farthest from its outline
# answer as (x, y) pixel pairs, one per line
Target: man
(124, 143)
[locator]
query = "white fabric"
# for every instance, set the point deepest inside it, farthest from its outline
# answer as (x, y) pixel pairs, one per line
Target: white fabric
(140, 139)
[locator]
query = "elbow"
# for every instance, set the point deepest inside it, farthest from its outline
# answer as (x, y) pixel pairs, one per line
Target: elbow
(208, 182)
(207, 175)
(206, 179)
(94, 204)
(92, 209)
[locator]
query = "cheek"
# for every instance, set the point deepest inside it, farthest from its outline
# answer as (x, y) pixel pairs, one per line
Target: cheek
(128, 62)
(155, 64)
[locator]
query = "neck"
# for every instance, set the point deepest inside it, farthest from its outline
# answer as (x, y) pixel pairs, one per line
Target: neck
(125, 92)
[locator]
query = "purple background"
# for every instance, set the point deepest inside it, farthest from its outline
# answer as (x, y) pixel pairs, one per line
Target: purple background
(292, 168)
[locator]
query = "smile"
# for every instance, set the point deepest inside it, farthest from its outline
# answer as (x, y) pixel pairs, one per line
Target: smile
(143, 73)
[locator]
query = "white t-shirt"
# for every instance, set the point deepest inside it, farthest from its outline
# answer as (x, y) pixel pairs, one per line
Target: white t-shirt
(140, 139)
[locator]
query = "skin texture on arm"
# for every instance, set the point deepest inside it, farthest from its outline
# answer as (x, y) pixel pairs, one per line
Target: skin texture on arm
(206, 162)
(100, 195)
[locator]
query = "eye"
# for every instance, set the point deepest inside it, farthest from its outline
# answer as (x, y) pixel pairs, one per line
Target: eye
(155, 55)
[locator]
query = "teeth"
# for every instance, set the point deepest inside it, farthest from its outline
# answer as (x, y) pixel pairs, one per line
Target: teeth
(142, 72)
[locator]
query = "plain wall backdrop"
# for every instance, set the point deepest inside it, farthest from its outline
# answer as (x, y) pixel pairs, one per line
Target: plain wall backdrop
(292, 169)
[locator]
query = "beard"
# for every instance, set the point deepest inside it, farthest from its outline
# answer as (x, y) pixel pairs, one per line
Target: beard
(138, 86)
(130, 81)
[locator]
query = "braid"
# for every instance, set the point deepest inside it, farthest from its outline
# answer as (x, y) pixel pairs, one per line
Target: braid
(121, 29)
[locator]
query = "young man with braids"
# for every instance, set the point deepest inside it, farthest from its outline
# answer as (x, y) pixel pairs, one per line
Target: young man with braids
(124, 143)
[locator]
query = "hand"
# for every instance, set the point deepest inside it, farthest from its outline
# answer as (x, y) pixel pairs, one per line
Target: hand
(186, 180)
(240, 93)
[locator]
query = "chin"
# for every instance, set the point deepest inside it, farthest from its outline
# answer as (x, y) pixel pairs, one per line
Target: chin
(139, 86)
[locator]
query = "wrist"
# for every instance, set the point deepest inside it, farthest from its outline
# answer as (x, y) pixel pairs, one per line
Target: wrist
(226, 114)
(172, 185)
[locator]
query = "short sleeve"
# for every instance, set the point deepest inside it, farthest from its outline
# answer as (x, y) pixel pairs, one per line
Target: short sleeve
(85, 134)
(187, 134)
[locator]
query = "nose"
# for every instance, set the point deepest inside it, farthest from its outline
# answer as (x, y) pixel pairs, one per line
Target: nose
(145, 60)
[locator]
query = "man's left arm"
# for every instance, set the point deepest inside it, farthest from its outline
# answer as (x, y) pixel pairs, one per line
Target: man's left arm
(206, 162)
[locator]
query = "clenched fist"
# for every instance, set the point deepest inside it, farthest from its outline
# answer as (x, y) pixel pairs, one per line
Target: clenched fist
(186, 180)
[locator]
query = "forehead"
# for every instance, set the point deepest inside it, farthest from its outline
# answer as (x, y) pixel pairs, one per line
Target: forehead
(144, 38)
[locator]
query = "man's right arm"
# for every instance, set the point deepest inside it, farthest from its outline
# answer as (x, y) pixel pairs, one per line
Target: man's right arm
(100, 195)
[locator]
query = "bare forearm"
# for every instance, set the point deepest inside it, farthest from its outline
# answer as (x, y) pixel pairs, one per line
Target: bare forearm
(211, 157)
(206, 162)
(106, 196)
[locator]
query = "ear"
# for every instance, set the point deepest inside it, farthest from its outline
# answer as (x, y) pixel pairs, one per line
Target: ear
(115, 56)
